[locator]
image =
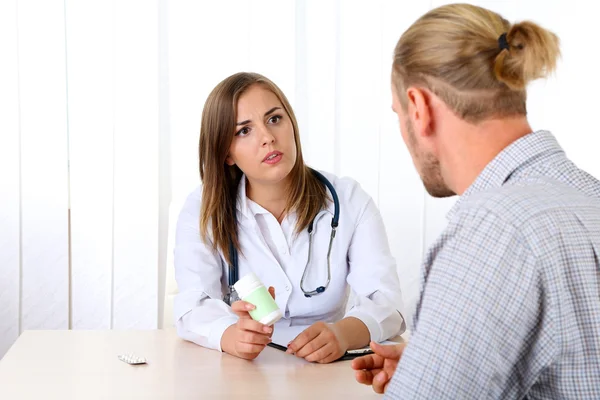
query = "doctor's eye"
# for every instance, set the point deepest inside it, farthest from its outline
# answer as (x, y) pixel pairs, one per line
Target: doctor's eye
(243, 132)
(275, 119)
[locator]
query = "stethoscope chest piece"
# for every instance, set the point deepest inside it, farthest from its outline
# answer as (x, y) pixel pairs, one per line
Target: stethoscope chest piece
(232, 296)
(319, 290)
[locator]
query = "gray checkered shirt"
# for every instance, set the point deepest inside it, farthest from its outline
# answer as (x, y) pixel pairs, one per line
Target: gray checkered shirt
(510, 300)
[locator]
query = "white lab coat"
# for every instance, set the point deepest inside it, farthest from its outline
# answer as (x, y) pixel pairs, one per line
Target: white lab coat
(360, 260)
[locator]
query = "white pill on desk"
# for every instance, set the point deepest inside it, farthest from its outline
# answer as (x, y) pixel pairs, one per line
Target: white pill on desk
(132, 359)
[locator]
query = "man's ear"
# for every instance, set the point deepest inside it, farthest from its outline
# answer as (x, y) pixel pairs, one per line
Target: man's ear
(419, 110)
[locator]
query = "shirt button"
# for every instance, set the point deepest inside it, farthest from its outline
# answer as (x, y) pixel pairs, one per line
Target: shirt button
(284, 250)
(287, 288)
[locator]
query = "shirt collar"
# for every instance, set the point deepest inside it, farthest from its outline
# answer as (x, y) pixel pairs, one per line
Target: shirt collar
(249, 208)
(514, 156)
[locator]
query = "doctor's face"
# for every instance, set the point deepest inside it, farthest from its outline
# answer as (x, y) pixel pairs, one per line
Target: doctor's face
(263, 146)
(425, 162)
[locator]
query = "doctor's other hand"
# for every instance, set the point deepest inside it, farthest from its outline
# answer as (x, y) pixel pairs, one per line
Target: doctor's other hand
(377, 369)
(320, 342)
(246, 338)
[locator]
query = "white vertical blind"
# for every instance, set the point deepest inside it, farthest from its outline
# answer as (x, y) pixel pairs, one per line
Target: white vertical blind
(359, 93)
(44, 162)
(90, 60)
(135, 225)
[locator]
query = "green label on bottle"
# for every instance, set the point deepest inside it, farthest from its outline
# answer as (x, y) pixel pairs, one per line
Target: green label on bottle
(264, 303)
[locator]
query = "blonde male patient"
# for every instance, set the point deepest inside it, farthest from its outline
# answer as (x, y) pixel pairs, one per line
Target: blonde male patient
(510, 297)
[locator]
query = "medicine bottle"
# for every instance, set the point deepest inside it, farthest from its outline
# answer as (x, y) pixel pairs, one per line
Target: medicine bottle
(251, 289)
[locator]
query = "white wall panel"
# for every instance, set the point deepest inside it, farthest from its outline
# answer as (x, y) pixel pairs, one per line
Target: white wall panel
(136, 165)
(317, 82)
(44, 175)
(9, 177)
(359, 93)
(90, 94)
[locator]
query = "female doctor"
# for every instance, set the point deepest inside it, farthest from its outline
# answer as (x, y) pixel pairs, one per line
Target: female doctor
(253, 213)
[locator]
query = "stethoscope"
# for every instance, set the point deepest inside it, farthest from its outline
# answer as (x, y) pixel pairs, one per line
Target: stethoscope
(232, 295)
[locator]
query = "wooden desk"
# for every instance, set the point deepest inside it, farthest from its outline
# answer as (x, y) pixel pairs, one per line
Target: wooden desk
(84, 365)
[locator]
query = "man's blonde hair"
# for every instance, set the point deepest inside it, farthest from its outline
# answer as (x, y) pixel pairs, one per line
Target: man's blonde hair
(474, 60)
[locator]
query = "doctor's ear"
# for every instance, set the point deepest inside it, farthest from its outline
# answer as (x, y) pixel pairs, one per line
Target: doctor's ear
(229, 161)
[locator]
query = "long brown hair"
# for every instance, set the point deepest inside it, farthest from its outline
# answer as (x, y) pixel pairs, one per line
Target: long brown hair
(477, 62)
(306, 195)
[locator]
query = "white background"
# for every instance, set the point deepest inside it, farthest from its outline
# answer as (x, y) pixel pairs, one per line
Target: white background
(100, 105)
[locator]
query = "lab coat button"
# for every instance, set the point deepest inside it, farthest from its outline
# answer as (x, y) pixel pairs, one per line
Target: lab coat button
(287, 288)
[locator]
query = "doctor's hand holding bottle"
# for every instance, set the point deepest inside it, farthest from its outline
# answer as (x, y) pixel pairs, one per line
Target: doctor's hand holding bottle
(247, 338)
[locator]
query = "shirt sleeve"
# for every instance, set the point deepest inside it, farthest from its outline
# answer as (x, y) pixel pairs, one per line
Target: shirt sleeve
(200, 314)
(479, 313)
(373, 277)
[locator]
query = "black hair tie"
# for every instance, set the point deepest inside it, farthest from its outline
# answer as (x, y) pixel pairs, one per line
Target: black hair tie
(503, 42)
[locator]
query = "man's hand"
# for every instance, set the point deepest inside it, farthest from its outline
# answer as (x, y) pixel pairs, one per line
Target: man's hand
(377, 369)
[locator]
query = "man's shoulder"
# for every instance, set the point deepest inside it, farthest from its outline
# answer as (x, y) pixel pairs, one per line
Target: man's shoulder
(541, 215)
(523, 202)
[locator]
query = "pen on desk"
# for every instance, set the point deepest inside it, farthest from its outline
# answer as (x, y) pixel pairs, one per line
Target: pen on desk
(277, 346)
